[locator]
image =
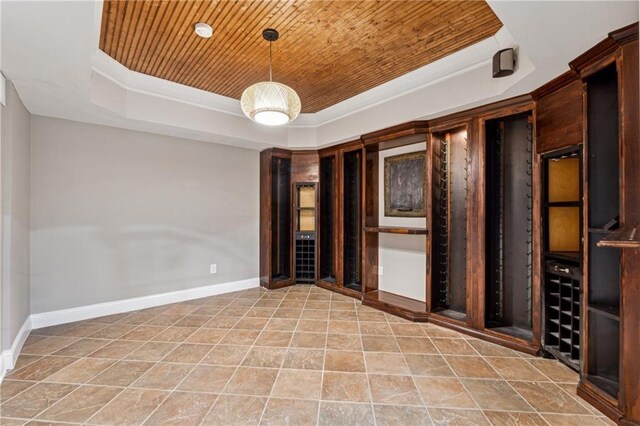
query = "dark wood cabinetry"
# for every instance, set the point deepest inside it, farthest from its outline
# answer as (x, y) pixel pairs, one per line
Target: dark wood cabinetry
(611, 323)
(562, 247)
(305, 225)
(532, 228)
(375, 143)
(509, 225)
(449, 153)
(340, 222)
(559, 113)
(275, 219)
(328, 221)
(352, 219)
(603, 214)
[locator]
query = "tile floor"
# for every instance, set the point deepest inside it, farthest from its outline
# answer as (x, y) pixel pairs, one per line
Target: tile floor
(297, 356)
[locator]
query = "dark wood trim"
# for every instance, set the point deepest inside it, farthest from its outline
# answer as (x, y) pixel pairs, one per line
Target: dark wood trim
(339, 289)
(517, 103)
(629, 99)
(626, 34)
(274, 285)
(280, 152)
(600, 400)
(429, 222)
(556, 84)
(411, 309)
(500, 339)
(396, 132)
(396, 230)
(601, 52)
(538, 251)
(626, 237)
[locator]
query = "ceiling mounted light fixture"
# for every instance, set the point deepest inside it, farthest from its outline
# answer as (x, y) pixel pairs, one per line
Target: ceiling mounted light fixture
(268, 102)
(203, 30)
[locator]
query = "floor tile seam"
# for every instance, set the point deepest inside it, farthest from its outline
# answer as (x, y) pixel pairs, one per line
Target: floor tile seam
(33, 383)
(514, 389)
(549, 380)
(186, 376)
(540, 371)
(268, 398)
(238, 367)
(507, 382)
(373, 410)
(71, 393)
(465, 388)
(299, 319)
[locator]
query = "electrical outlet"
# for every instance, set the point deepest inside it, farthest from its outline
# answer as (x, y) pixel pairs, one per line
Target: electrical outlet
(380, 270)
(213, 268)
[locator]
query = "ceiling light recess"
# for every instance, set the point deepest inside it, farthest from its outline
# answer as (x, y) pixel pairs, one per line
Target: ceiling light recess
(269, 102)
(203, 30)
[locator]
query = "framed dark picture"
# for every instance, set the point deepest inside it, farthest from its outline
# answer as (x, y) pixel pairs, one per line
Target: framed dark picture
(405, 185)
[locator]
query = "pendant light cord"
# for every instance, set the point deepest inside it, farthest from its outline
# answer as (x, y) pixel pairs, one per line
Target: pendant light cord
(270, 71)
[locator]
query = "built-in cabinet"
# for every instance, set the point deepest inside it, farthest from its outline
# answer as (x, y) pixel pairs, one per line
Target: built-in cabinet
(340, 222)
(449, 211)
(406, 135)
(509, 254)
(531, 232)
(328, 221)
(352, 219)
(588, 135)
(562, 208)
(275, 219)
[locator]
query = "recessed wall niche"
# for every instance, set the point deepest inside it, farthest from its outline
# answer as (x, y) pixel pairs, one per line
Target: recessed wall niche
(402, 258)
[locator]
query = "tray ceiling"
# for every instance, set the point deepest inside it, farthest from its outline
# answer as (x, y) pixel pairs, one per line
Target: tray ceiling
(328, 51)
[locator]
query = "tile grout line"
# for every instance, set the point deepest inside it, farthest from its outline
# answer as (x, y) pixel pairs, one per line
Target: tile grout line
(236, 302)
(267, 398)
(510, 386)
(458, 377)
(324, 360)
(245, 355)
(175, 388)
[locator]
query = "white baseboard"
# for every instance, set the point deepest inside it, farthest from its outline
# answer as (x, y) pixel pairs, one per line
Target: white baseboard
(9, 357)
(64, 316)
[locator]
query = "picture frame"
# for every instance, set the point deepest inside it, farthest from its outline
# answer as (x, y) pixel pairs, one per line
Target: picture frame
(405, 185)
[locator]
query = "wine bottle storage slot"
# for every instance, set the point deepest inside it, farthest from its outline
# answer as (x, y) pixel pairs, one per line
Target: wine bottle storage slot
(305, 233)
(327, 219)
(509, 217)
(604, 273)
(450, 187)
(305, 259)
(562, 325)
(281, 218)
(352, 201)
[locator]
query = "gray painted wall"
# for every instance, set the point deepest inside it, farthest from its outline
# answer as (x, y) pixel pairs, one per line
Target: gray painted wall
(15, 216)
(117, 214)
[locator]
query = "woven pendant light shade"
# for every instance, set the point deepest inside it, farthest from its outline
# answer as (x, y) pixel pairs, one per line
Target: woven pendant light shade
(270, 103)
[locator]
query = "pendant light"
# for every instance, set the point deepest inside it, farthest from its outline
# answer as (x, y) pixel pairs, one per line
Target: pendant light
(268, 102)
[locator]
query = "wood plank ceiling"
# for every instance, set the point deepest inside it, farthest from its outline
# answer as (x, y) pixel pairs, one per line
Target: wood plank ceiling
(328, 51)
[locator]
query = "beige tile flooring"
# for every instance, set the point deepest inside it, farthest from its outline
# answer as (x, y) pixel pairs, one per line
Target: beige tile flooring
(297, 356)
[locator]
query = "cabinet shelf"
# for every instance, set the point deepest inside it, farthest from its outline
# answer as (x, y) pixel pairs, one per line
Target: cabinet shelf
(396, 304)
(612, 312)
(396, 230)
(627, 237)
(563, 203)
(564, 255)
